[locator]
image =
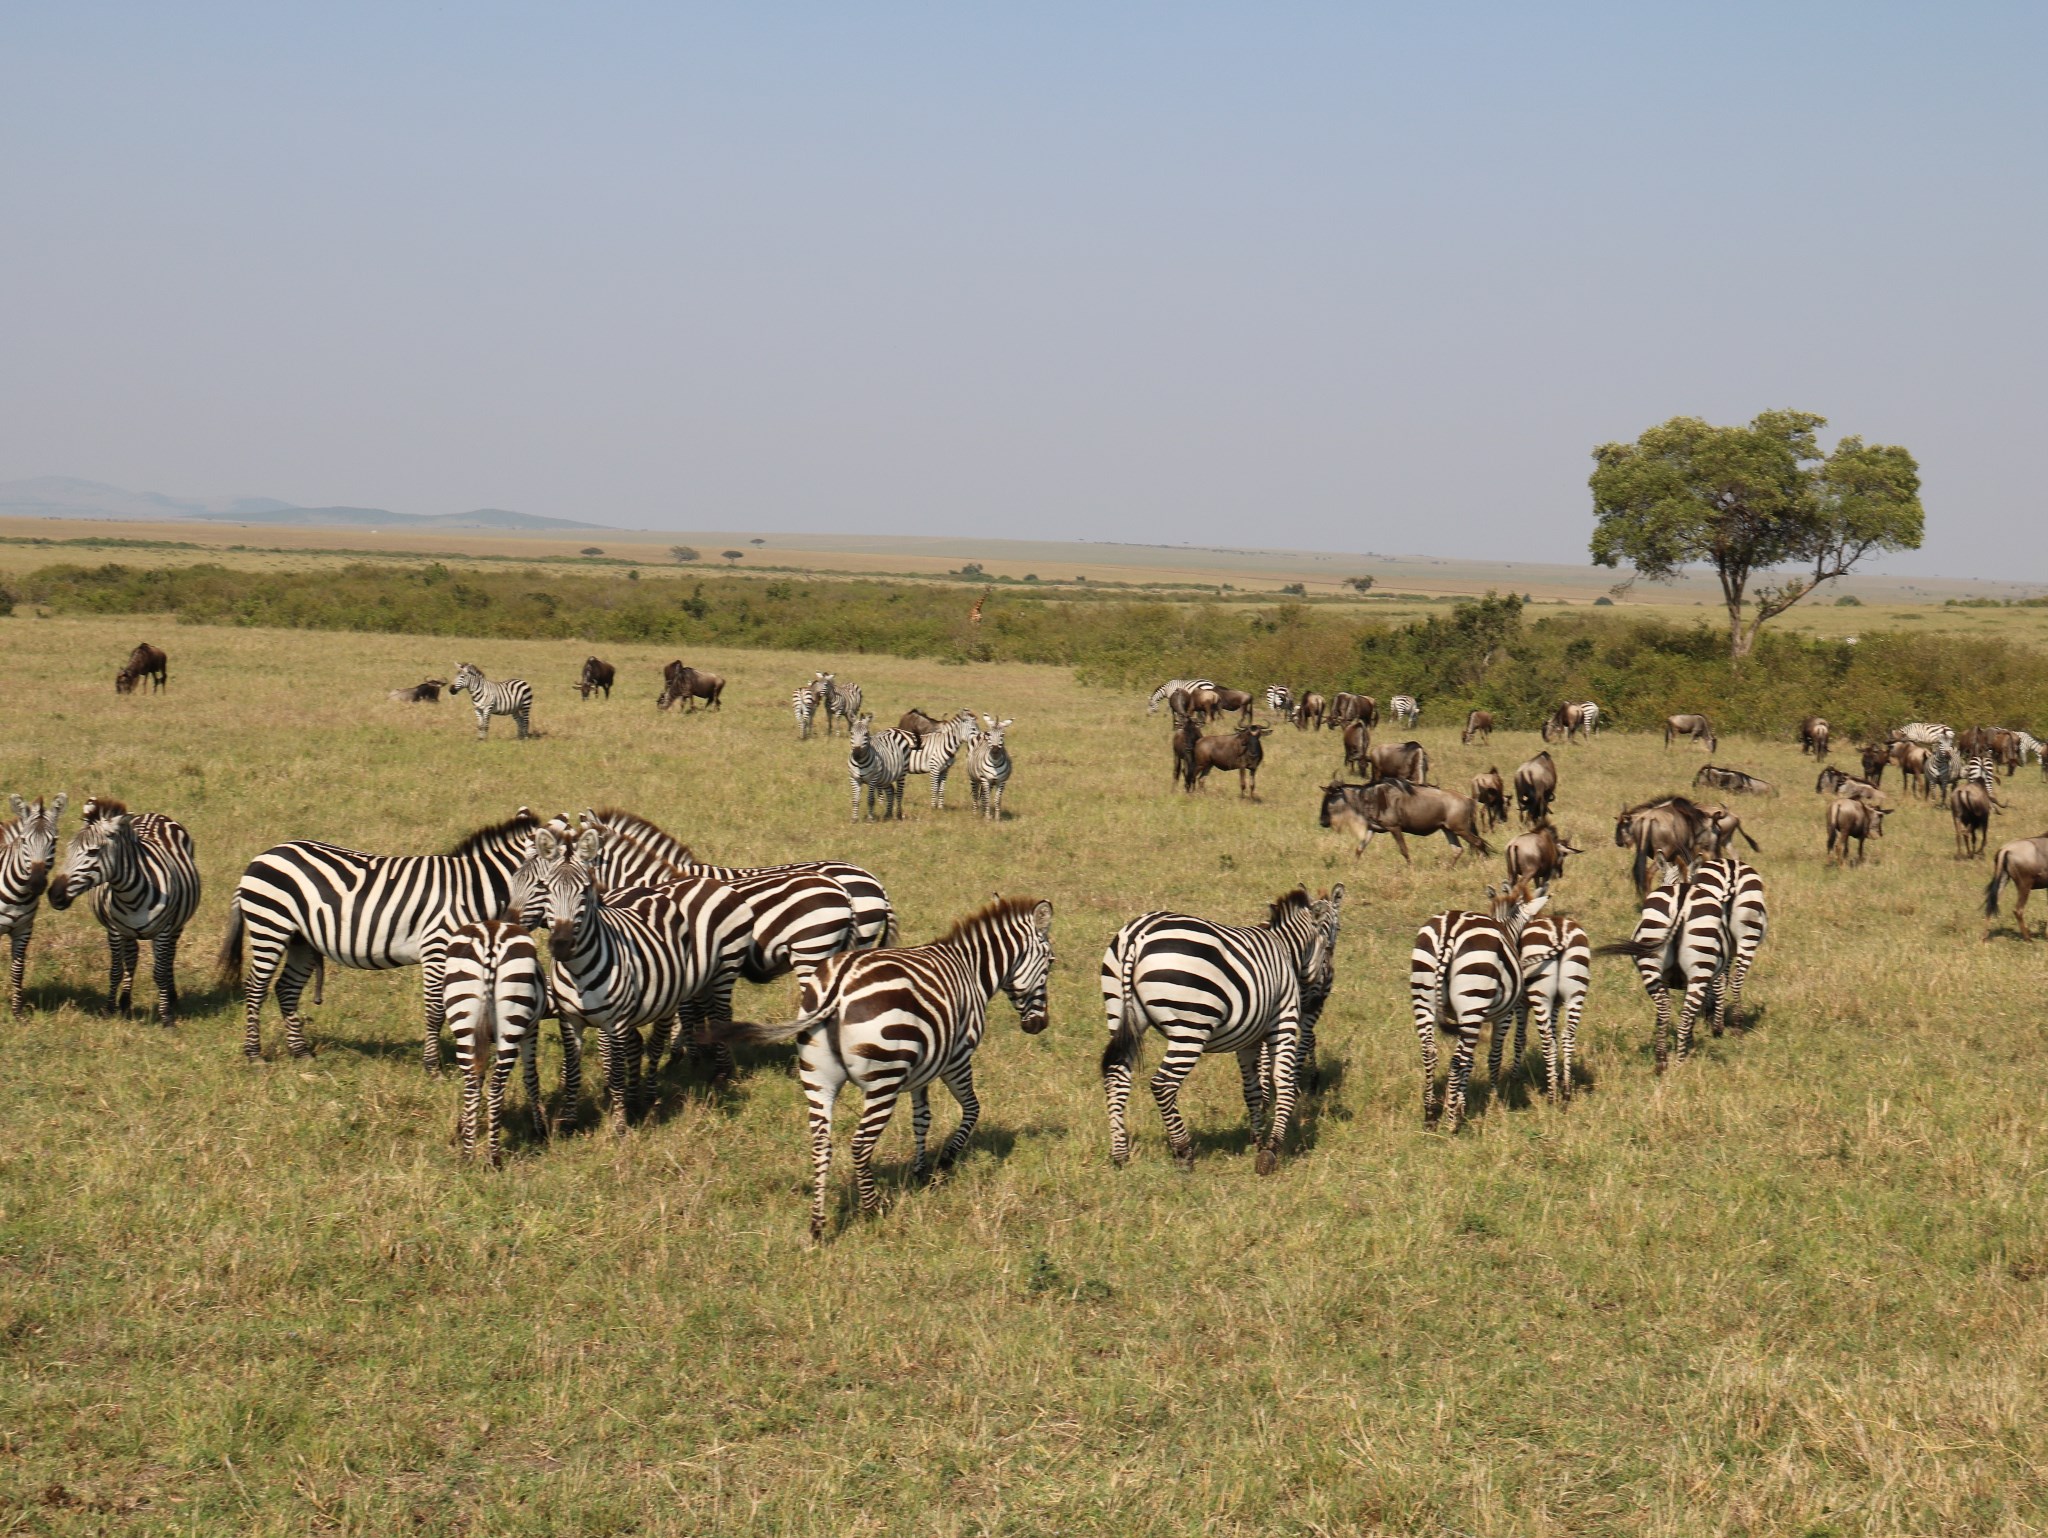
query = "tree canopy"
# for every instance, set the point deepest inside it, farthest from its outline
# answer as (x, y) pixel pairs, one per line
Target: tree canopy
(1750, 500)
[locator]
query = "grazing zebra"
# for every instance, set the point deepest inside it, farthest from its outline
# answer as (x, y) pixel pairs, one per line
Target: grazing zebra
(1927, 734)
(1172, 686)
(845, 704)
(988, 767)
(302, 902)
(934, 752)
(1556, 964)
(878, 760)
(28, 847)
(805, 703)
(1572, 719)
(892, 1021)
(496, 994)
(508, 697)
(1280, 699)
(1212, 987)
(1682, 941)
(1465, 971)
(1407, 710)
(145, 884)
(2028, 743)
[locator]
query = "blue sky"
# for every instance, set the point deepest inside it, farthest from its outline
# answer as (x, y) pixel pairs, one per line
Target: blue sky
(1340, 277)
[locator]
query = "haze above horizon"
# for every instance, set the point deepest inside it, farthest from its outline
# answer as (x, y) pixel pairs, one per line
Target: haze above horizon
(1301, 277)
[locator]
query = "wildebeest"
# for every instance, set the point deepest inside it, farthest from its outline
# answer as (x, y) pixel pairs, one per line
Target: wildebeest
(1187, 731)
(1309, 707)
(1971, 807)
(1697, 728)
(1241, 751)
(1478, 724)
(424, 693)
(1239, 700)
(1833, 782)
(1723, 778)
(1858, 820)
(1669, 830)
(1538, 854)
(1536, 788)
(2023, 862)
(1489, 794)
(1400, 808)
(145, 661)
(1723, 828)
(1354, 707)
(1200, 702)
(1572, 720)
(688, 684)
(1398, 761)
(1875, 756)
(917, 722)
(1911, 757)
(597, 674)
(1357, 740)
(1813, 736)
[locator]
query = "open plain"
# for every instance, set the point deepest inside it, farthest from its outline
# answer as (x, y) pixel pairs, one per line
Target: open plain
(1795, 1286)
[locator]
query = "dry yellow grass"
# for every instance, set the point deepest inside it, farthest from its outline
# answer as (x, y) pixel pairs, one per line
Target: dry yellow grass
(1796, 1286)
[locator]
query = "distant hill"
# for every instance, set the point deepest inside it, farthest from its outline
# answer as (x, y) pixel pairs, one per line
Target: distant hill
(59, 496)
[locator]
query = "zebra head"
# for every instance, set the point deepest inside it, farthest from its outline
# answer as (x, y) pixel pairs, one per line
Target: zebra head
(1319, 965)
(541, 851)
(1514, 905)
(107, 828)
(992, 730)
(467, 676)
(1031, 967)
(33, 837)
(857, 731)
(571, 887)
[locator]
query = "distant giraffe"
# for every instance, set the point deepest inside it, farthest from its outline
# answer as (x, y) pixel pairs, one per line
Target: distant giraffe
(974, 617)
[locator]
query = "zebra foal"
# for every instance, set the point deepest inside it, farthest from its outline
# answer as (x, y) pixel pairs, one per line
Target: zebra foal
(1464, 973)
(507, 697)
(496, 994)
(988, 767)
(28, 845)
(145, 885)
(1556, 962)
(879, 761)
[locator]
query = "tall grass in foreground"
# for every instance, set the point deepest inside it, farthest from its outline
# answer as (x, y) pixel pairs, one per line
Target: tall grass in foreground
(1794, 1287)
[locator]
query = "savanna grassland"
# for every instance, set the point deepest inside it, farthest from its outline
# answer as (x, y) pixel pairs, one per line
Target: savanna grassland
(1796, 1286)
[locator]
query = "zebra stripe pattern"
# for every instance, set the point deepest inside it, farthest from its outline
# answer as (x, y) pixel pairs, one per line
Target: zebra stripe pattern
(893, 1021)
(1280, 698)
(1406, 709)
(1557, 965)
(508, 697)
(1682, 942)
(1210, 987)
(934, 753)
(1982, 769)
(825, 691)
(845, 703)
(878, 760)
(496, 995)
(1160, 694)
(1749, 922)
(1465, 972)
(805, 703)
(28, 847)
(145, 885)
(303, 902)
(988, 767)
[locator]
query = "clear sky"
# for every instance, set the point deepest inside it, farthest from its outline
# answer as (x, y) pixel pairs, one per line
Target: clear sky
(1355, 277)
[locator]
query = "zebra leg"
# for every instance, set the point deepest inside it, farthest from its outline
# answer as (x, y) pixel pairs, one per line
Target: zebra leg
(875, 1109)
(529, 1065)
(525, 724)
(939, 789)
(1425, 1028)
(1253, 1072)
(433, 969)
(822, 1074)
(1720, 997)
(1546, 1033)
(472, 1090)
(1461, 1074)
(17, 966)
(483, 723)
(611, 1051)
(920, 1128)
(494, 1105)
(1181, 1057)
(1116, 1089)
(960, 1080)
(259, 968)
(1496, 1047)
(1689, 1013)
(121, 957)
(1521, 1030)
(572, 1069)
(164, 966)
(1286, 1041)
(856, 798)
(292, 977)
(1568, 1046)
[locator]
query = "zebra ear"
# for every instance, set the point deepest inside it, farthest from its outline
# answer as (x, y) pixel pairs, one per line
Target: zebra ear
(589, 844)
(1335, 897)
(1041, 918)
(1003, 726)
(20, 806)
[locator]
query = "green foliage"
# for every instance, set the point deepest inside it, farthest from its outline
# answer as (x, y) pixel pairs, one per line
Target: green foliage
(1848, 601)
(591, 550)
(682, 554)
(1359, 584)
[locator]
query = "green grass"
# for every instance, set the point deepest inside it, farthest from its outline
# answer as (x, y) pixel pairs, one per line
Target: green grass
(1794, 1287)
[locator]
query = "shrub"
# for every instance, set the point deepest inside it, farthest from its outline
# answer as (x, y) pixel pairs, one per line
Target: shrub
(682, 554)
(1848, 601)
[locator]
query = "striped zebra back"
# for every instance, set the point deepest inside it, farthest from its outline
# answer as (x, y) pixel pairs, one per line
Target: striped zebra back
(846, 701)
(1279, 698)
(937, 750)
(1555, 957)
(1463, 970)
(1405, 708)
(1982, 769)
(1748, 914)
(494, 989)
(1167, 689)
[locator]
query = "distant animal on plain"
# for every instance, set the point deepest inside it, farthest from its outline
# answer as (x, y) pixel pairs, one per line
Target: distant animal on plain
(424, 693)
(1694, 728)
(597, 674)
(1478, 727)
(1241, 750)
(1538, 855)
(507, 697)
(1723, 778)
(1398, 761)
(1399, 808)
(1970, 808)
(1535, 788)
(145, 661)
(1667, 832)
(1309, 711)
(1489, 793)
(1833, 782)
(1876, 756)
(2023, 862)
(1172, 687)
(1407, 709)
(1853, 820)
(1357, 743)
(1570, 721)
(1813, 736)
(679, 681)
(1354, 707)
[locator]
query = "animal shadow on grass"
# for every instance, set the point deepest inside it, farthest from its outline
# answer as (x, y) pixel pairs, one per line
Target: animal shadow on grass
(93, 999)
(894, 1177)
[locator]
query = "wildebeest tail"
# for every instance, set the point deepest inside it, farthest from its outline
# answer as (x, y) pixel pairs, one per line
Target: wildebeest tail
(230, 959)
(1998, 874)
(1476, 841)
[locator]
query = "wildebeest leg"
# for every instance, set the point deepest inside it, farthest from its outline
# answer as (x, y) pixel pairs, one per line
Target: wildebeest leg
(1401, 844)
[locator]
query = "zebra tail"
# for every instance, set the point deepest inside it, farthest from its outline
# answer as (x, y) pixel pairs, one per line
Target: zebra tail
(1997, 881)
(890, 933)
(1122, 1048)
(1638, 949)
(230, 960)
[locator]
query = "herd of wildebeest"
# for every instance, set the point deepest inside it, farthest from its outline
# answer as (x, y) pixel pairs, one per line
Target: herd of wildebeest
(646, 942)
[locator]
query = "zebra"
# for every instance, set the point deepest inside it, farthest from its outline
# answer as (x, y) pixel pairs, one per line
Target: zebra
(1211, 987)
(1465, 971)
(28, 847)
(845, 704)
(1406, 708)
(1944, 768)
(1161, 694)
(304, 903)
(988, 767)
(1280, 700)
(1572, 719)
(145, 885)
(892, 1021)
(878, 760)
(1556, 963)
(805, 703)
(1982, 769)
(496, 994)
(1749, 922)
(2029, 743)
(825, 688)
(1682, 940)
(508, 697)
(1928, 734)
(934, 752)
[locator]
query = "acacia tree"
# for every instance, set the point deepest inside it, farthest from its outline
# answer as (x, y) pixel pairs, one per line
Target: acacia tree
(1747, 501)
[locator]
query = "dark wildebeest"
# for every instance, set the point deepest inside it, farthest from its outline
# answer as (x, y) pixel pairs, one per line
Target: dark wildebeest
(688, 684)
(1994, 742)
(1241, 751)
(1698, 728)
(2023, 862)
(1398, 761)
(145, 661)
(597, 674)
(1187, 731)
(1309, 707)
(1733, 779)
(1536, 788)
(1571, 720)
(1489, 794)
(1859, 820)
(1354, 707)
(1911, 758)
(1667, 830)
(427, 693)
(1813, 736)
(1971, 807)
(1479, 724)
(1239, 700)
(918, 722)
(1538, 854)
(1201, 703)
(1357, 740)
(1723, 828)
(1399, 808)
(1833, 782)
(1875, 756)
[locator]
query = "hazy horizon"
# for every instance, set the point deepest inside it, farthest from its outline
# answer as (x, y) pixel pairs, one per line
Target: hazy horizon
(1298, 278)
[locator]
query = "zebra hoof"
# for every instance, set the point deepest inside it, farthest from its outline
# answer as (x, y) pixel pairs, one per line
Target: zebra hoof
(1184, 1160)
(1268, 1161)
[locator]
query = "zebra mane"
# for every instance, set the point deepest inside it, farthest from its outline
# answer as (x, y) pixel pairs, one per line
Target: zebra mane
(105, 806)
(1286, 905)
(988, 914)
(632, 825)
(470, 843)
